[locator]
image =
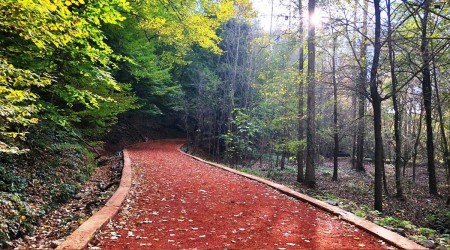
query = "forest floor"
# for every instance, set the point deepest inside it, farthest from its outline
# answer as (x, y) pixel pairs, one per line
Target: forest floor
(53, 227)
(178, 202)
(420, 216)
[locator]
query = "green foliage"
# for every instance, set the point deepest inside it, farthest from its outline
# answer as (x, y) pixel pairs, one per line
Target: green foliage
(326, 196)
(239, 141)
(182, 24)
(55, 61)
(426, 231)
(360, 213)
(41, 178)
(251, 171)
(68, 70)
(395, 222)
(16, 217)
(63, 192)
(276, 91)
(10, 181)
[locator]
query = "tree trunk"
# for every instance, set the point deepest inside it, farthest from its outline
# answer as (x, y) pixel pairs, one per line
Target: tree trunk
(301, 126)
(416, 144)
(442, 128)
(354, 101)
(335, 114)
(354, 133)
(397, 114)
(427, 93)
(310, 178)
(362, 86)
(385, 186)
(376, 104)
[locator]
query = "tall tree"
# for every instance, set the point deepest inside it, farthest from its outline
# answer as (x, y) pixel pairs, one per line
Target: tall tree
(362, 86)
(446, 153)
(376, 105)
(300, 126)
(310, 178)
(427, 96)
(395, 102)
(335, 109)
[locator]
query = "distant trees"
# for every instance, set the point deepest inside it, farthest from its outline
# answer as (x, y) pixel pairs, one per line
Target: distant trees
(355, 57)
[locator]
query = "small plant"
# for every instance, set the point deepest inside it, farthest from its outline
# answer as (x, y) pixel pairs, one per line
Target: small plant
(366, 209)
(64, 192)
(360, 213)
(326, 197)
(251, 171)
(444, 240)
(358, 187)
(10, 181)
(427, 231)
(395, 222)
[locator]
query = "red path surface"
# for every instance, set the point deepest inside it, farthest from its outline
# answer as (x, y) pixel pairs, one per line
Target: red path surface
(179, 203)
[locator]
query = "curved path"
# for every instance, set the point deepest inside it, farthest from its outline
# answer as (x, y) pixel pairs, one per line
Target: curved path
(176, 202)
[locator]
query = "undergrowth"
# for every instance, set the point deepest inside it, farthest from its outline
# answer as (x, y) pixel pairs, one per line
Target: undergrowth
(33, 183)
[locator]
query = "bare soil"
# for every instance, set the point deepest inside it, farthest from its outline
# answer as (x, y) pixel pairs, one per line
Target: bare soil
(177, 202)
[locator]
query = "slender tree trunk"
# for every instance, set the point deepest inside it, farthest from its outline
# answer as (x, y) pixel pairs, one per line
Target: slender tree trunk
(406, 131)
(385, 186)
(397, 114)
(300, 116)
(276, 161)
(335, 114)
(362, 86)
(376, 104)
(427, 93)
(354, 133)
(416, 144)
(442, 128)
(354, 101)
(310, 176)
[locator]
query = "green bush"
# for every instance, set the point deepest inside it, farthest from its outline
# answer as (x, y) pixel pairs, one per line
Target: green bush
(63, 192)
(16, 217)
(10, 181)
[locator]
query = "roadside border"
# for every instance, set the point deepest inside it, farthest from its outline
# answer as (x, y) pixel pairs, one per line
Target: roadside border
(80, 238)
(387, 235)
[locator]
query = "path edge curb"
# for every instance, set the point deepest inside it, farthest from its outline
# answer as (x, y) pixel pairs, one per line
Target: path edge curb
(80, 238)
(381, 232)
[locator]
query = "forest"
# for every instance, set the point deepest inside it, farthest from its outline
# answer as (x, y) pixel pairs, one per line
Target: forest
(347, 101)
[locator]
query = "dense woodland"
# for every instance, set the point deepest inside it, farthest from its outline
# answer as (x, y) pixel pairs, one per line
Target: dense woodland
(349, 86)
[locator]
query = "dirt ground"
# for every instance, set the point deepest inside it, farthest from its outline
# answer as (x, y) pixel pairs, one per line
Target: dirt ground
(177, 202)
